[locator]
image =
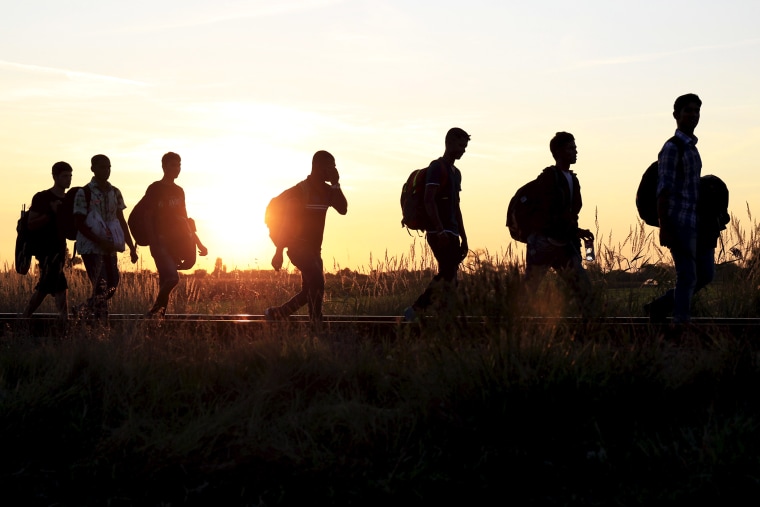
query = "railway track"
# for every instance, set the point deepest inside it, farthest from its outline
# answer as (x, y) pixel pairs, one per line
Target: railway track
(45, 324)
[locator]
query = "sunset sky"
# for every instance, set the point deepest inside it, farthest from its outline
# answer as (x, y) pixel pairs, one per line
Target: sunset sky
(247, 91)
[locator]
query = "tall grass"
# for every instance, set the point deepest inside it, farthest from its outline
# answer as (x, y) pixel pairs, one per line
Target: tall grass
(530, 412)
(453, 414)
(628, 272)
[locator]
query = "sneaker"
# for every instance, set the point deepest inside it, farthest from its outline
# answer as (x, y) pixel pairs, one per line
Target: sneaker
(271, 315)
(82, 311)
(410, 315)
(656, 315)
(156, 313)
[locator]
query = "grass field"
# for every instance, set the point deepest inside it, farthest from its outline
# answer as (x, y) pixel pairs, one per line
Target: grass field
(512, 413)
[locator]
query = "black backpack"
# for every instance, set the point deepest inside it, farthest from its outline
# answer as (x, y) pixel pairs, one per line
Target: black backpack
(24, 243)
(285, 213)
(66, 223)
(137, 222)
(523, 209)
(183, 248)
(413, 213)
(414, 216)
(646, 194)
(712, 206)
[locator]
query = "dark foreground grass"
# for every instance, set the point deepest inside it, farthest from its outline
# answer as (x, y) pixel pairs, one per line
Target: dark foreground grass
(504, 415)
(521, 416)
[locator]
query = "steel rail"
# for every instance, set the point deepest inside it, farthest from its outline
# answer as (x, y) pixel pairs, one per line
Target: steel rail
(390, 319)
(41, 321)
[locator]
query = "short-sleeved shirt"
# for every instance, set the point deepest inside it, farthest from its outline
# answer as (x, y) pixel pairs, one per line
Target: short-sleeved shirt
(47, 239)
(166, 202)
(682, 186)
(107, 204)
(320, 197)
(449, 180)
(559, 206)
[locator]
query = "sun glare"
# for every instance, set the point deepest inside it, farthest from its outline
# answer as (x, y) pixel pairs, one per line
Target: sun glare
(227, 187)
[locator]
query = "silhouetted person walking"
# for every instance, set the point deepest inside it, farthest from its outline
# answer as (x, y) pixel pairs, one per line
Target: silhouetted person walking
(679, 169)
(447, 239)
(556, 240)
(102, 231)
(168, 229)
(50, 244)
(313, 197)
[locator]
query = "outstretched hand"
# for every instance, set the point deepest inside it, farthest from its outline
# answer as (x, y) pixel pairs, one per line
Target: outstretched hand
(585, 234)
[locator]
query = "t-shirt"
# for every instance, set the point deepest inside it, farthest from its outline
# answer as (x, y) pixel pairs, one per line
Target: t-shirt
(47, 239)
(449, 180)
(167, 209)
(560, 202)
(320, 197)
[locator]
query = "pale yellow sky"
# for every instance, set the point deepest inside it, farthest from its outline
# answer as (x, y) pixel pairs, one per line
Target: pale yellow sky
(246, 92)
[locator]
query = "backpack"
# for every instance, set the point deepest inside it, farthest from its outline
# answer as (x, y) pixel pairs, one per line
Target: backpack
(523, 209)
(183, 249)
(413, 213)
(646, 194)
(284, 215)
(712, 206)
(181, 244)
(66, 222)
(24, 245)
(136, 222)
(414, 216)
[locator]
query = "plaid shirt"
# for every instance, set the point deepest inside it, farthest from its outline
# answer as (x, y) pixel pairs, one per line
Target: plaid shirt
(106, 204)
(682, 186)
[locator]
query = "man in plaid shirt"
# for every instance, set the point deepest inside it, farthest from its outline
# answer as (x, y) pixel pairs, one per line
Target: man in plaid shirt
(679, 170)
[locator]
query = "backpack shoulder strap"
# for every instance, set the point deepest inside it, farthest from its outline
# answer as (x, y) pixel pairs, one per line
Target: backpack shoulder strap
(444, 171)
(87, 197)
(558, 181)
(681, 148)
(438, 165)
(85, 189)
(303, 191)
(678, 142)
(554, 172)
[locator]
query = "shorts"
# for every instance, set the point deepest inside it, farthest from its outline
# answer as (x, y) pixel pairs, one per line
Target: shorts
(52, 279)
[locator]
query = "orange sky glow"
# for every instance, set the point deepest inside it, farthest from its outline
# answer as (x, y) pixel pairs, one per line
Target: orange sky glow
(246, 92)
